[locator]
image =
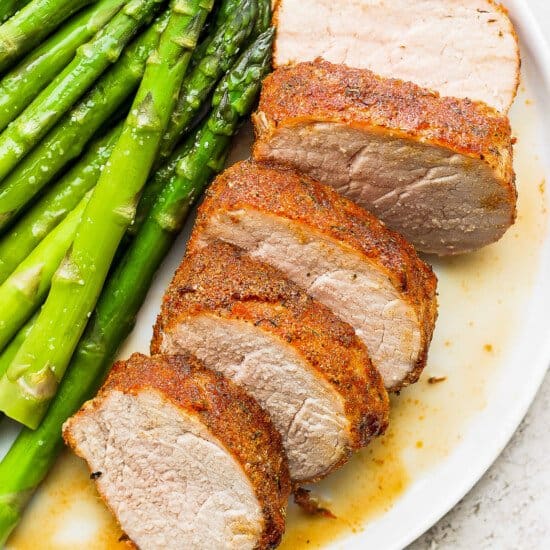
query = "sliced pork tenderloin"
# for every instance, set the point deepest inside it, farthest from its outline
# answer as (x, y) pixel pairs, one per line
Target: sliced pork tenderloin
(459, 48)
(304, 366)
(339, 253)
(436, 169)
(183, 457)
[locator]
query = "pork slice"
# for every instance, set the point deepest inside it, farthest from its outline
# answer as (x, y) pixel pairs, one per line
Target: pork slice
(304, 366)
(183, 457)
(438, 170)
(339, 253)
(459, 48)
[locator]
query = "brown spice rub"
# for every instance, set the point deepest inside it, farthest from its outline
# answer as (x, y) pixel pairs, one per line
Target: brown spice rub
(324, 91)
(221, 279)
(253, 440)
(299, 198)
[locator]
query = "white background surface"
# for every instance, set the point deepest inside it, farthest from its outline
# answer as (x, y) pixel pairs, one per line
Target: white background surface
(509, 509)
(541, 8)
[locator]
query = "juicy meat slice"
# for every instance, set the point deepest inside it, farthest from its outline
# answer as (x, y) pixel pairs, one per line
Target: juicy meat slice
(304, 366)
(459, 48)
(183, 457)
(437, 170)
(339, 253)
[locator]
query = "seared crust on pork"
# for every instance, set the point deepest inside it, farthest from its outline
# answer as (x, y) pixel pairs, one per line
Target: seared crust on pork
(318, 210)
(223, 281)
(229, 414)
(321, 92)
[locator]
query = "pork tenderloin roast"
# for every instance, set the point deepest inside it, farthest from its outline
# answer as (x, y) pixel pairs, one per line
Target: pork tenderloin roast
(304, 365)
(183, 457)
(436, 169)
(339, 253)
(459, 48)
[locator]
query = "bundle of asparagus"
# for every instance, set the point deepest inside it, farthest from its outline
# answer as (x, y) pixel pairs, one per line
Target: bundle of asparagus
(78, 254)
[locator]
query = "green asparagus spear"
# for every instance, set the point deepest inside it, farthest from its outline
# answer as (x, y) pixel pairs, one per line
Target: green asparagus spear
(204, 63)
(223, 48)
(217, 18)
(30, 25)
(67, 139)
(12, 348)
(16, 245)
(263, 21)
(227, 7)
(218, 52)
(10, 7)
(32, 378)
(182, 174)
(25, 289)
(24, 83)
(89, 62)
(233, 99)
(34, 452)
(43, 217)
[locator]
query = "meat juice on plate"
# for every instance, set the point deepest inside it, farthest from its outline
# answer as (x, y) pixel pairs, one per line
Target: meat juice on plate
(481, 297)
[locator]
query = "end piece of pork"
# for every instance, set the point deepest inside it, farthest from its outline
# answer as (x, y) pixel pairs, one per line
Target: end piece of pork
(339, 253)
(459, 48)
(304, 365)
(438, 170)
(183, 457)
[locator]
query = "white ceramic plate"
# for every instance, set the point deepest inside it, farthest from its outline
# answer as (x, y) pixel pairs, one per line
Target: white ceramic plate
(492, 344)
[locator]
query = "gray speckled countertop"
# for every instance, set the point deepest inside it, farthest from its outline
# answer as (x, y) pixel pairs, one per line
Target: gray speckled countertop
(509, 509)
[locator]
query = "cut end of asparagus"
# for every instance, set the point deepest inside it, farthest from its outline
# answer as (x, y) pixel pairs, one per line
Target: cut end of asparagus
(25, 398)
(28, 280)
